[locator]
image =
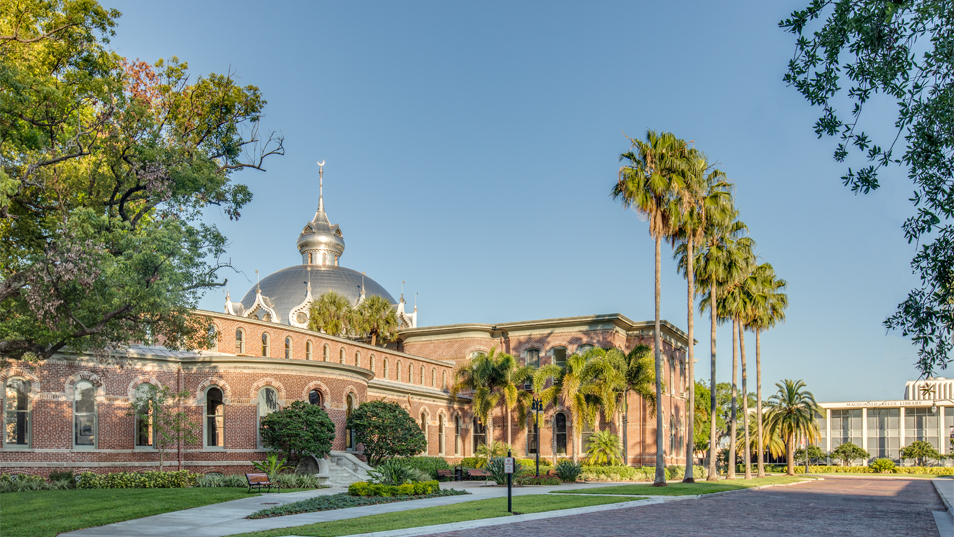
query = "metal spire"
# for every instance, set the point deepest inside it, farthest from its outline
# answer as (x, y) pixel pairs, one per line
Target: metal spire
(321, 198)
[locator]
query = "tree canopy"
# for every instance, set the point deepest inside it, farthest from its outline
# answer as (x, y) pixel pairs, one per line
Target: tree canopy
(867, 53)
(386, 430)
(107, 166)
(298, 430)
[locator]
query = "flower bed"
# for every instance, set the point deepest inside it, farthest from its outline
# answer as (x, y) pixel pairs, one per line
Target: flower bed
(342, 501)
(363, 488)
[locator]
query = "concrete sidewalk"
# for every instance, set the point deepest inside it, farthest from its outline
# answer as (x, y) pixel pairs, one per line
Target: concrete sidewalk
(228, 518)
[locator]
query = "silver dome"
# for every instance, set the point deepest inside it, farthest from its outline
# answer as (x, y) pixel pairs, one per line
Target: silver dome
(284, 290)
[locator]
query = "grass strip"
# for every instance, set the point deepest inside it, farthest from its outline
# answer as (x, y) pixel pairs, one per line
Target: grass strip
(686, 489)
(444, 514)
(342, 501)
(45, 513)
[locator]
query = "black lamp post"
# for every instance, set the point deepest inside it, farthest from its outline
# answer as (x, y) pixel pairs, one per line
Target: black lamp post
(536, 407)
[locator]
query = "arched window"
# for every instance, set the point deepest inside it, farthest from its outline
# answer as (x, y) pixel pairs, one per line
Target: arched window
(349, 433)
(324, 353)
(532, 435)
(559, 356)
(585, 435)
(371, 363)
(309, 258)
(672, 375)
(267, 403)
(532, 357)
(457, 435)
(308, 349)
(267, 317)
(145, 436)
(583, 349)
(239, 341)
(341, 356)
(672, 434)
(427, 439)
(410, 373)
(265, 344)
(214, 418)
(399, 371)
(443, 380)
(475, 354)
(433, 378)
(559, 426)
(384, 369)
(314, 397)
(288, 347)
(422, 376)
(84, 414)
(480, 435)
(214, 334)
(440, 435)
(357, 358)
(16, 421)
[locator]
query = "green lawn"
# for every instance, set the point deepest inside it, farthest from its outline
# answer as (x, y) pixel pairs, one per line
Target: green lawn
(685, 489)
(46, 513)
(444, 514)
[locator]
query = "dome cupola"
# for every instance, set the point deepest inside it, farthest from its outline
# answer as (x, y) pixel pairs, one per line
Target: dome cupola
(321, 242)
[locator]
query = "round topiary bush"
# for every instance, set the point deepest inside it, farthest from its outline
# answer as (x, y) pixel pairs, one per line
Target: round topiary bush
(298, 430)
(386, 430)
(882, 466)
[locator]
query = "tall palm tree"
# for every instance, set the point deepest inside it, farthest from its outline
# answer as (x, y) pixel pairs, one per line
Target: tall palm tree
(478, 376)
(792, 412)
(511, 377)
(332, 314)
(572, 389)
(641, 380)
(377, 318)
(647, 183)
(768, 310)
(544, 388)
(704, 196)
(771, 441)
(714, 266)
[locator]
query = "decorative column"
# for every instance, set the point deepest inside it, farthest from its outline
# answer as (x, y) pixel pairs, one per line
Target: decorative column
(901, 431)
(864, 431)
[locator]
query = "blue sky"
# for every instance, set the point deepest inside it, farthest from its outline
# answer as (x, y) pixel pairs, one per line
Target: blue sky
(471, 149)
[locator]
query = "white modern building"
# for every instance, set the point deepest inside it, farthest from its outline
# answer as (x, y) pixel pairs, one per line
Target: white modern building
(882, 428)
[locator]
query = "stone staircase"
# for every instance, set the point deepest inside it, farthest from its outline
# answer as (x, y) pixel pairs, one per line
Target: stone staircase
(340, 469)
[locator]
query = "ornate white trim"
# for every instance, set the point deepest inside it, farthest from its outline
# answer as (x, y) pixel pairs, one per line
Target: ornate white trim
(260, 304)
(304, 307)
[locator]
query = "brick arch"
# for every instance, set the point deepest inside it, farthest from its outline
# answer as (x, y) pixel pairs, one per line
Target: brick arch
(141, 379)
(475, 348)
(20, 372)
(267, 381)
(322, 389)
(70, 385)
(350, 389)
(426, 411)
(219, 383)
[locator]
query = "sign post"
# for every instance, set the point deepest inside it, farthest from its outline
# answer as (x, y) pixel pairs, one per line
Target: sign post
(508, 469)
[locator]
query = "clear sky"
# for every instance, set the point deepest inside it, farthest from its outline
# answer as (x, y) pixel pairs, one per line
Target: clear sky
(471, 149)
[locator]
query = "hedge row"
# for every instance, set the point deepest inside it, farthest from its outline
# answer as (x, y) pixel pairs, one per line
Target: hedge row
(426, 464)
(133, 480)
(915, 470)
(363, 488)
(477, 462)
(642, 473)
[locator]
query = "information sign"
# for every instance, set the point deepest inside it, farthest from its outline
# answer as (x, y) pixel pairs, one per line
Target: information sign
(508, 465)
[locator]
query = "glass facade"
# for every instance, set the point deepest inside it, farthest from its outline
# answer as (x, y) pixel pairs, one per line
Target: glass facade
(884, 433)
(921, 424)
(845, 427)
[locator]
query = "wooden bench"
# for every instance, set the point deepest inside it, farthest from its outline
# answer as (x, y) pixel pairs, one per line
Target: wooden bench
(477, 472)
(259, 481)
(446, 473)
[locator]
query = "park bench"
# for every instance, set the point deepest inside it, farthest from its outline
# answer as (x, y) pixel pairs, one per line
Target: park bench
(449, 473)
(477, 472)
(259, 481)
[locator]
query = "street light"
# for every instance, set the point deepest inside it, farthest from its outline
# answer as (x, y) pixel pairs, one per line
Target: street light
(537, 406)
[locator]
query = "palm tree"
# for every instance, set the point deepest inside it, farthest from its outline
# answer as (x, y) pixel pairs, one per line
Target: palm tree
(770, 439)
(572, 389)
(544, 387)
(377, 318)
(332, 314)
(648, 184)
(767, 310)
(791, 412)
(705, 196)
(511, 377)
(478, 376)
(640, 379)
(605, 381)
(714, 266)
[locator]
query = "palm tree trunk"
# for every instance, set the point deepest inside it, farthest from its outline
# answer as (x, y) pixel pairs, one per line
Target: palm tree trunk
(790, 455)
(758, 398)
(509, 419)
(660, 478)
(625, 426)
(713, 446)
(691, 404)
(745, 406)
(733, 420)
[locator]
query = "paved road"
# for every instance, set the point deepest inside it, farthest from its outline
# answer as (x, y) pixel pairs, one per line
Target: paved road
(835, 506)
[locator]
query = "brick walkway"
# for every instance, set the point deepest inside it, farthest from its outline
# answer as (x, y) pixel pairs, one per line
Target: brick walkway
(835, 506)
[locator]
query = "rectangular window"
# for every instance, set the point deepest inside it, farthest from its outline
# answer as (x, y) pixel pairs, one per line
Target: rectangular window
(559, 356)
(533, 358)
(532, 438)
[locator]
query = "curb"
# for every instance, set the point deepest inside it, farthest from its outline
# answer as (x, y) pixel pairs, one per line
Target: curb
(950, 509)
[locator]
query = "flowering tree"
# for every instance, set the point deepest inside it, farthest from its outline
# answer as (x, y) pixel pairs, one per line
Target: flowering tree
(106, 166)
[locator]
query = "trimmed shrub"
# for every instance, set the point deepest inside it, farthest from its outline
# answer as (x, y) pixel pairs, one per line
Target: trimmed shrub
(915, 470)
(542, 480)
(882, 466)
(218, 480)
(642, 473)
(298, 430)
(473, 462)
(144, 480)
(386, 430)
(23, 483)
(363, 488)
(568, 471)
(532, 463)
(426, 464)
